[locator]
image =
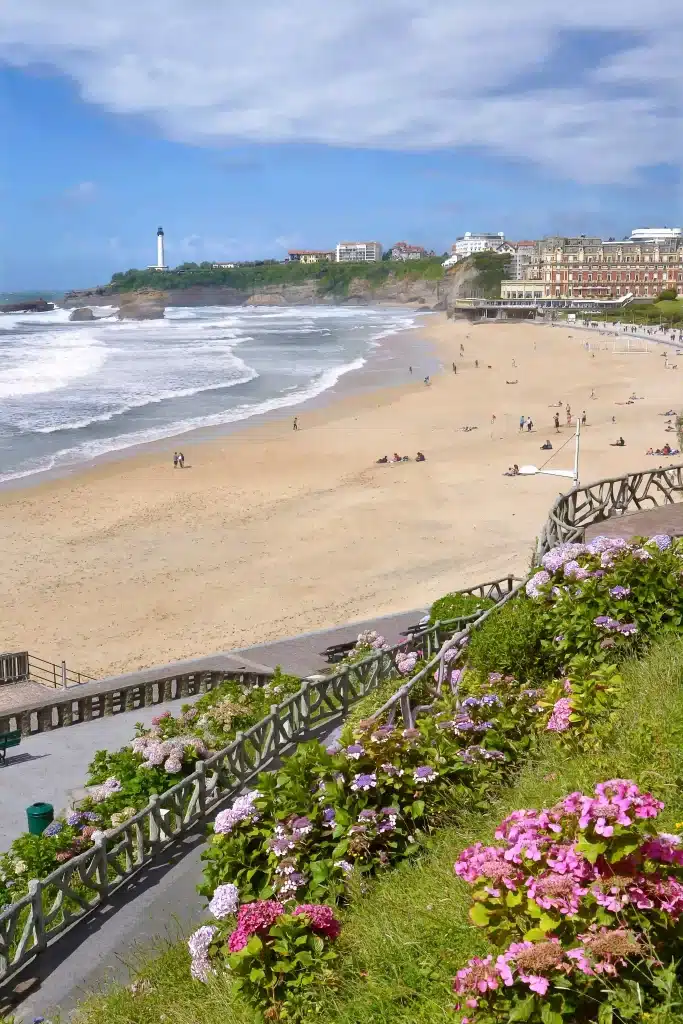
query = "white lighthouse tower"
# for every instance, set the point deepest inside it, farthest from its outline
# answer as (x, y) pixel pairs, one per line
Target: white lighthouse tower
(160, 264)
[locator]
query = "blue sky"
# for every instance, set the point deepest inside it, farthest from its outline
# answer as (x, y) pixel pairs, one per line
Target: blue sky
(299, 124)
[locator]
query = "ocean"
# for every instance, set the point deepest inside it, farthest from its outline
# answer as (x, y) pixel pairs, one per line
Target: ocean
(70, 392)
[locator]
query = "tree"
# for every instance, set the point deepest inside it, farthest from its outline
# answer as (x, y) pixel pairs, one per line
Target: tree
(667, 295)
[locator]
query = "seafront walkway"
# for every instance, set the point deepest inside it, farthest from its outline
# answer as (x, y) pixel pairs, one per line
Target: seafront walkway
(164, 903)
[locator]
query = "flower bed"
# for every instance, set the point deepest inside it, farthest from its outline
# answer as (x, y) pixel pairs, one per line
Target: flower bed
(361, 808)
(585, 900)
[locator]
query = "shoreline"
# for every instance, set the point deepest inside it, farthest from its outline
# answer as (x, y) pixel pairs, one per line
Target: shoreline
(272, 533)
(389, 357)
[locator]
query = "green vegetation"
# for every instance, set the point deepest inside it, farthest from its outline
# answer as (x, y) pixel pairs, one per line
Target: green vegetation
(492, 269)
(332, 278)
(666, 310)
(405, 937)
(457, 606)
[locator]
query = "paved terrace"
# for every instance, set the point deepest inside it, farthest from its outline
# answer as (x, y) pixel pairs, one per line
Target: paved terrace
(164, 903)
(666, 519)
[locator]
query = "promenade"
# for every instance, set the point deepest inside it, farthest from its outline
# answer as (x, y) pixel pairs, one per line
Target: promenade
(164, 903)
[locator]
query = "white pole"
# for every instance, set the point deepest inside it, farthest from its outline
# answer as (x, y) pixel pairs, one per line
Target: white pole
(576, 452)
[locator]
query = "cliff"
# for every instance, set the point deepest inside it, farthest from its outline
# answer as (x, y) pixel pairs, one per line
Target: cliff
(415, 291)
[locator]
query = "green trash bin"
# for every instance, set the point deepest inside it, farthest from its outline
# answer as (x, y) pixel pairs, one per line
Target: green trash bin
(39, 817)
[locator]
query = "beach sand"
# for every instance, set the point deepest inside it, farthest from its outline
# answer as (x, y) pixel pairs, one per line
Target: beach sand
(269, 533)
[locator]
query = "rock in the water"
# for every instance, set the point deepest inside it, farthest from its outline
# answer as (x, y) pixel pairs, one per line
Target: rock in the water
(82, 313)
(143, 305)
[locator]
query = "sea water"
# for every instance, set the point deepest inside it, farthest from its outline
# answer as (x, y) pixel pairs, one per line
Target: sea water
(70, 392)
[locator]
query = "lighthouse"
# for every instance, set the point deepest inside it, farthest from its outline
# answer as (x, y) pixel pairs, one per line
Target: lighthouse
(160, 249)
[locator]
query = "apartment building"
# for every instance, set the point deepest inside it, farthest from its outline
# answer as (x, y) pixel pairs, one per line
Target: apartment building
(358, 252)
(521, 256)
(590, 268)
(310, 255)
(471, 241)
(405, 251)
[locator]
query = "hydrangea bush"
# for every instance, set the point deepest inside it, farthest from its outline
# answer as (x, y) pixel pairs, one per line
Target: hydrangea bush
(275, 953)
(585, 900)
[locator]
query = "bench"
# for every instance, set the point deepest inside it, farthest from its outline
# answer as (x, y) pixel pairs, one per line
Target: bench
(411, 630)
(7, 740)
(337, 651)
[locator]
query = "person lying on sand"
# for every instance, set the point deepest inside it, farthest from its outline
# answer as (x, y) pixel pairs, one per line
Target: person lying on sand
(546, 447)
(396, 457)
(382, 460)
(467, 429)
(618, 444)
(669, 413)
(512, 470)
(420, 457)
(512, 382)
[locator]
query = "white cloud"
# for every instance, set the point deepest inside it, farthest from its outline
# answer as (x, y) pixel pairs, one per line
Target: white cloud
(83, 192)
(402, 74)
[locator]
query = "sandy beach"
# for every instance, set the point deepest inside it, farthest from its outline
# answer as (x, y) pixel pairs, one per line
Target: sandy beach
(269, 532)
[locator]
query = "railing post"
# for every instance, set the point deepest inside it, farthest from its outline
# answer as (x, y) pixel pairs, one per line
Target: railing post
(200, 767)
(102, 867)
(153, 823)
(64, 675)
(35, 890)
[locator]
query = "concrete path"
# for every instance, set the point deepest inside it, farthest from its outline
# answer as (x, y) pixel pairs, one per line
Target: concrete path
(164, 903)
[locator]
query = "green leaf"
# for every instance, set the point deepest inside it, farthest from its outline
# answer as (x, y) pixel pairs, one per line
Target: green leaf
(257, 974)
(535, 935)
(605, 1014)
(513, 899)
(523, 1009)
(549, 1016)
(547, 922)
(254, 945)
(418, 808)
(479, 915)
(591, 851)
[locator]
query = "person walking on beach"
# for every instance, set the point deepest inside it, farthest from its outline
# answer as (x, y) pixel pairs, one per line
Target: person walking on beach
(529, 424)
(410, 369)
(583, 418)
(521, 422)
(175, 460)
(181, 460)
(569, 415)
(295, 423)
(557, 422)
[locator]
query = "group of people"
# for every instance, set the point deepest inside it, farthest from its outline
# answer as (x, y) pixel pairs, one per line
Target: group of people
(512, 470)
(666, 450)
(527, 422)
(178, 460)
(400, 458)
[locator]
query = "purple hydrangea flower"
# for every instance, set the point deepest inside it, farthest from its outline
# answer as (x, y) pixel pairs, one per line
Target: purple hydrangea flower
(425, 773)
(53, 829)
(355, 751)
(538, 580)
(364, 782)
(628, 628)
(620, 592)
(225, 901)
(662, 540)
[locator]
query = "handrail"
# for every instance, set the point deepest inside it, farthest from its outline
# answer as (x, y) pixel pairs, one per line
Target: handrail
(599, 501)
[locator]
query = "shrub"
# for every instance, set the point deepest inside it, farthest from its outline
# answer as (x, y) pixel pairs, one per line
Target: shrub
(456, 606)
(581, 894)
(275, 955)
(510, 642)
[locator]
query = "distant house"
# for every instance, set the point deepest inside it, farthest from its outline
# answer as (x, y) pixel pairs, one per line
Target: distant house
(473, 241)
(223, 266)
(451, 261)
(358, 252)
(406, 251)
(310, 256)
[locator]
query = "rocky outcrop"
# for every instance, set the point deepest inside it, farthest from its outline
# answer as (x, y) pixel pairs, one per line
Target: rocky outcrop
(28, 306)
(147, 305)
(82, 313)
(421, 293)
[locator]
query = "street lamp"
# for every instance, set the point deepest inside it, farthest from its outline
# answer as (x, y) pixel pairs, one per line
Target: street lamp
(573, 474)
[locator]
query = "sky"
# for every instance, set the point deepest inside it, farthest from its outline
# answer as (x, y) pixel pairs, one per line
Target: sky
(246, 130)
